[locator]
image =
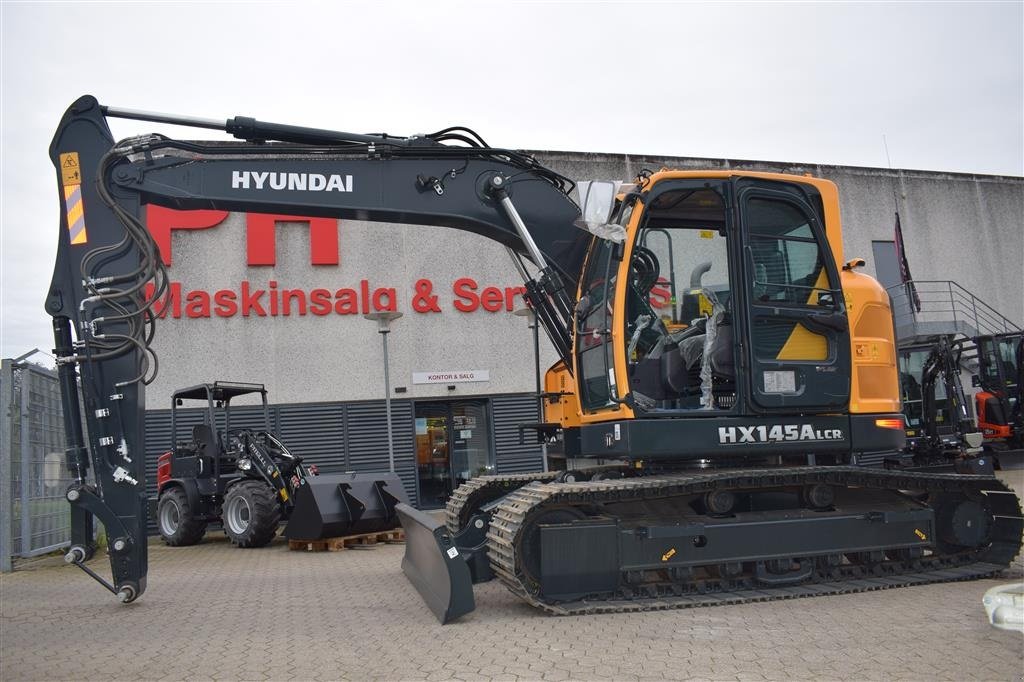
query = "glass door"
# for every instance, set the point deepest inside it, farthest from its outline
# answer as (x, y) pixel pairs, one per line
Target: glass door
(800, 338)
(471, 442)
(453, 444)
(433, 454)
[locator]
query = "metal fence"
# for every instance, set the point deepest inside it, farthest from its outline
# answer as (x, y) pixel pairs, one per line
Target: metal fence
(34, 516)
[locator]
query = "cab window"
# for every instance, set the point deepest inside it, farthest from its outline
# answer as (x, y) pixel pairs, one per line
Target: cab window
(788, 266)
(594, 315)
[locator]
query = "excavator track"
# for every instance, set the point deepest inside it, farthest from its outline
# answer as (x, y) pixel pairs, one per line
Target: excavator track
(472, 494)
(514, 514)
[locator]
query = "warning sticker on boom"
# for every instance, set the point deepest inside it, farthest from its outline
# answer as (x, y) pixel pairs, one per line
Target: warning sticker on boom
(70, 173)
(71, 179)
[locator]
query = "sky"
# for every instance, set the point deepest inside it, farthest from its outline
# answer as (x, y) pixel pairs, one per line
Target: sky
(922, 85)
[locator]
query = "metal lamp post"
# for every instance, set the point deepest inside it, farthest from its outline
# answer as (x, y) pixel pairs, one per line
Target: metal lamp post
(531, 317)
(384, 319)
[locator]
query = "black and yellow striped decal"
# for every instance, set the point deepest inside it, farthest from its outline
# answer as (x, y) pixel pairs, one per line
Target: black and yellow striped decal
(71, 179)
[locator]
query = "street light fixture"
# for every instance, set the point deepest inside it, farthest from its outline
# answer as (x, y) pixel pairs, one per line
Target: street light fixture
(384, 319)
(531, 317)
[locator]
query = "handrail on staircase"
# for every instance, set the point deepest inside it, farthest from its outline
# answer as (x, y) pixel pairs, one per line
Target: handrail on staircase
(946, 301)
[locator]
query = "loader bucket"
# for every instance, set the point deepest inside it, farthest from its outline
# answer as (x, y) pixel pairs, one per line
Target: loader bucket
(333, 505)
(434, 566)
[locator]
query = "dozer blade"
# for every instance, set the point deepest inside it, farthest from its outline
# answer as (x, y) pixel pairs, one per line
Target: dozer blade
(434, 566)
(333, 505)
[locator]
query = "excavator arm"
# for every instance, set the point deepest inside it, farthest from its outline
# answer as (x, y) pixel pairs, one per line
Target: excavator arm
(101, 331)
(103, 323)
(944, 360)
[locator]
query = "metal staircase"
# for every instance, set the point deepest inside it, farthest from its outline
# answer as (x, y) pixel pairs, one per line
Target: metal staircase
(947, 310)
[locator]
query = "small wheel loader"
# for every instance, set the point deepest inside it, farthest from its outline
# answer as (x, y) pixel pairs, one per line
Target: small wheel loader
(248, 480)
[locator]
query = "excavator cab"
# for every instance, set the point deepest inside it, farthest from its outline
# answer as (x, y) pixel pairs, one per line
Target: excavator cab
(708, 259)
(211, 441)
(1001, 379)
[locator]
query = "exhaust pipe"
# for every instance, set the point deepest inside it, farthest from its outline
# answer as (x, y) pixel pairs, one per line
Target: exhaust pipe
(435, 566)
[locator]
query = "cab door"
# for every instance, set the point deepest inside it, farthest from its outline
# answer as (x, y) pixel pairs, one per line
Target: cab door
(998, 362)
(799, 339)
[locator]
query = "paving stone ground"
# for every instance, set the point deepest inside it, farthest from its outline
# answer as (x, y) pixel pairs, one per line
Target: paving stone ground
(216, 612)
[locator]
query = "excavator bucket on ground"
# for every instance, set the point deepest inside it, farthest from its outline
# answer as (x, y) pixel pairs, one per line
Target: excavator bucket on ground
(333, 505)
(435, 566)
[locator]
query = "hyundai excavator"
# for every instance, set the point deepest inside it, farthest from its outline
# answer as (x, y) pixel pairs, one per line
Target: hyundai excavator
(717, 442)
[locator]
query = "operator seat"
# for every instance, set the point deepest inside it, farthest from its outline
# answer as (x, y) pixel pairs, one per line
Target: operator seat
(769, 266)
(682, 367)
(205, 440)
(723, 356)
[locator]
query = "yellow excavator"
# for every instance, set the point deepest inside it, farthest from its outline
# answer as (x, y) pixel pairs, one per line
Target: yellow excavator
(724, 371)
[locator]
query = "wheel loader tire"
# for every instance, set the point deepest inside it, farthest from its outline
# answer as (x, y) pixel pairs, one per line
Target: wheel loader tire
(250, 514)
(176, 521)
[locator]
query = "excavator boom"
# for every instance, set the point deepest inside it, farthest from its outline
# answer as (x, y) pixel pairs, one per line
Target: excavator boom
(106, 260)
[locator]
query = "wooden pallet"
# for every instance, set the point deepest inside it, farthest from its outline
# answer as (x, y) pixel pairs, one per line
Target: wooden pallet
(363, 541)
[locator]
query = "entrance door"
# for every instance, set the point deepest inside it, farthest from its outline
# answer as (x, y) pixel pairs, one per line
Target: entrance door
(887, 271)
(453, 444)
(471, 441)
(433, 456)
(887, 264)
(800, 340)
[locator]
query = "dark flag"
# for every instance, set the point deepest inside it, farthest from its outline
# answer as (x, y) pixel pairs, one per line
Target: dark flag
(901, 256)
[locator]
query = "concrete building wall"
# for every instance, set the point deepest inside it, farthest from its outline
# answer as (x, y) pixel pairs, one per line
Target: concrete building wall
(339, 357)
(967, 228)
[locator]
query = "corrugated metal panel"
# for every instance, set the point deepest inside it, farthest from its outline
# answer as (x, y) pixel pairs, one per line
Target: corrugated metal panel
(367, 436)
(366, 426)
(315, 432)
(507, 413)
(248, 417)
